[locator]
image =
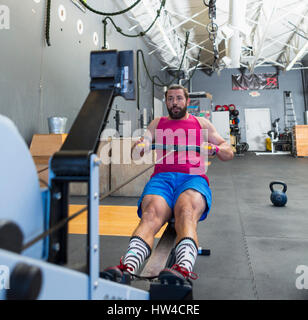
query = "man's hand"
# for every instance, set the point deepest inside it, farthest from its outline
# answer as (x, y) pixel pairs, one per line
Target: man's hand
(141, 147)
(144, 144)
(208, 149)
(212, 149)
(222, 148)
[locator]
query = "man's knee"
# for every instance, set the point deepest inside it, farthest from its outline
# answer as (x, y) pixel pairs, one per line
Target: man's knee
(186, 213)
(149, 213)
(189, 206)
(187, 217)
(152, 218)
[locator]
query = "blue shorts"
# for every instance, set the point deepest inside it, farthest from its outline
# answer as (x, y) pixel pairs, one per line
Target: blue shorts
(170, 185)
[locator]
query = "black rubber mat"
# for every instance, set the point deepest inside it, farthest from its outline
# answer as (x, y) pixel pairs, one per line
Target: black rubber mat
(257, 250)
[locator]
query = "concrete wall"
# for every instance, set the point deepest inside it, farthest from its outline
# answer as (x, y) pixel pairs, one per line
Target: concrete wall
(220, 86)
(37, 81)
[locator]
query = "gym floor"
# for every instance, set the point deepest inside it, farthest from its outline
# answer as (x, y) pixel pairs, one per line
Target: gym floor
(255, 247)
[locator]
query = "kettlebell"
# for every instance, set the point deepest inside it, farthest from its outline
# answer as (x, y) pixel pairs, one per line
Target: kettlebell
(278, 197)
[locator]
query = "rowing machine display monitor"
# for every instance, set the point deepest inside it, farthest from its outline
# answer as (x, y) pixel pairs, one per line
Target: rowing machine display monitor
(112, 69)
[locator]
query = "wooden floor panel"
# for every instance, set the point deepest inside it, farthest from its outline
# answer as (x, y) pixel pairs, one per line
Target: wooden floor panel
(113, 221)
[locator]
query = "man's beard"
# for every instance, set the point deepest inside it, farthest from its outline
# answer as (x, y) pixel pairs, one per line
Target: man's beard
(178, 115)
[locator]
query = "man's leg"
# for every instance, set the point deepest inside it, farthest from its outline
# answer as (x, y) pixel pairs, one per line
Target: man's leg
(155, 213)
(188, 209)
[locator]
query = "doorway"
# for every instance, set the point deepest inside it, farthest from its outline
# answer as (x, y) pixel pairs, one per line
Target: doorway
(257, 124)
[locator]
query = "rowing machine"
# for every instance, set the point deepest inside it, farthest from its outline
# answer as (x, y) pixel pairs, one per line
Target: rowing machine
(38, 217)
(33, 221)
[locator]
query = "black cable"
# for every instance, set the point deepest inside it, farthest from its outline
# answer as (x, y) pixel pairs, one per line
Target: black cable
(47, 27)
(53, 229)
(63, 222)
(142, 33)
(44, 169)
(105, 34)
(162, 84)
(109, 13)
(147, 70)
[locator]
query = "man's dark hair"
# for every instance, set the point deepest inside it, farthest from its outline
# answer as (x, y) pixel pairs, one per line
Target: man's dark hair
(176, 87)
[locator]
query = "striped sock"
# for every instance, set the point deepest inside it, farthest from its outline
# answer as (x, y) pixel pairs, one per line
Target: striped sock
(186, 253)
(138, 251)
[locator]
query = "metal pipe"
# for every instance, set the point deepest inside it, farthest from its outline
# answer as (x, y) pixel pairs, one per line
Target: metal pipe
(237, 14)
(305, 85)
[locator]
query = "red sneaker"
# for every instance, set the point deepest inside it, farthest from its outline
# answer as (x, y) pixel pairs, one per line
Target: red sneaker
(120, 273)
(177, 274)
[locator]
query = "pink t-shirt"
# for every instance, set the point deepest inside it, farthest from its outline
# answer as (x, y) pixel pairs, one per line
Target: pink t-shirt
(180, 132)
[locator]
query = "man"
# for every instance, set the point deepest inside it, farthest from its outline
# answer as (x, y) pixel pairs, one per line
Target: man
(178, 188)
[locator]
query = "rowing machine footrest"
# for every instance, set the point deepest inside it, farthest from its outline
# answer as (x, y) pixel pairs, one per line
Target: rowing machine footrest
(160, 291)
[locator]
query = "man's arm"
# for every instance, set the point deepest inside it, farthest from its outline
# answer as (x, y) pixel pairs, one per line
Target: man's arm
(225, 151)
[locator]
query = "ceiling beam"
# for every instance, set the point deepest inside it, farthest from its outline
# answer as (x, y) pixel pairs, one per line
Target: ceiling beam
(186, 19)
(287, 13)
(268, 10)
(158, 48)
(268, 59)
(274, 41)
(198, 46)
(158, 24)
(256, 20)
(287, 48)
(299, 55)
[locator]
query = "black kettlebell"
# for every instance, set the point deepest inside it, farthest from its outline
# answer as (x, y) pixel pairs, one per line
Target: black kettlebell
(278, 198)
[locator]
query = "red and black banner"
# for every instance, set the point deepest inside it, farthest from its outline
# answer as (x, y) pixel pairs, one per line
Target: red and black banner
(255, 81)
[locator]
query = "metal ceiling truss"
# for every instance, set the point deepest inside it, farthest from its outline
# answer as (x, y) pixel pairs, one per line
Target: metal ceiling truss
(285, 56)
(161, 49)
(262, 29)
(271, 59)
(171, 65)
(191, 19)
(143, 14)
(266, 16)
(275, 32)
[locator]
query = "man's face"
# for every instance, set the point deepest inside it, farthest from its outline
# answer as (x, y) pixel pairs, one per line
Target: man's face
(176, 103)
